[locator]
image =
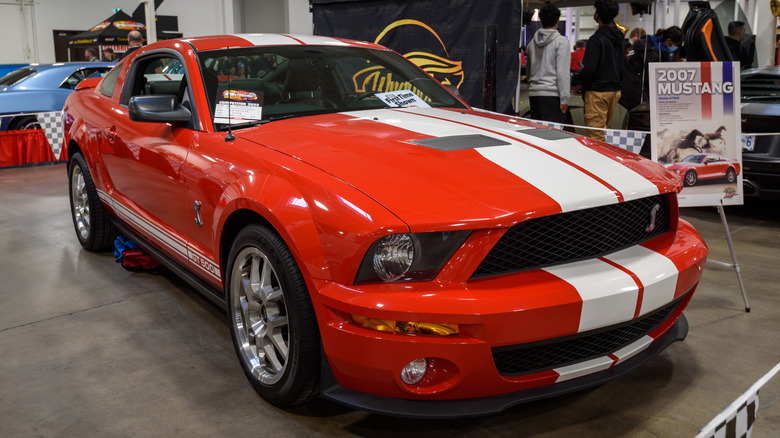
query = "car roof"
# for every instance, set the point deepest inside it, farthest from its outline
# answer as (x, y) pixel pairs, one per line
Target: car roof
(48, 76)
(271, 39)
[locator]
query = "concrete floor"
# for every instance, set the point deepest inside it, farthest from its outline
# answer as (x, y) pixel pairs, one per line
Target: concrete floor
(90, 349)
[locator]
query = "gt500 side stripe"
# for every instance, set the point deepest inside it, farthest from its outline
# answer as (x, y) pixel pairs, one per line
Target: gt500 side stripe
(166, 239)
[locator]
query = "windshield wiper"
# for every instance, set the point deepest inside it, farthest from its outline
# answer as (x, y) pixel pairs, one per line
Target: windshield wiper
(280, 117)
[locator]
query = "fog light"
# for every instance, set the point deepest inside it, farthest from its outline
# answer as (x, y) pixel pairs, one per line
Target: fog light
(414, 371)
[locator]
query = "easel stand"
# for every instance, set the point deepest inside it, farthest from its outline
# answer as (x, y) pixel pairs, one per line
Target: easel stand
(734, 264)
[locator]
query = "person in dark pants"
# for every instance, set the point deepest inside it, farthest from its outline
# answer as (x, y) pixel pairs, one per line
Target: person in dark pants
(549, 73)
(601, 76)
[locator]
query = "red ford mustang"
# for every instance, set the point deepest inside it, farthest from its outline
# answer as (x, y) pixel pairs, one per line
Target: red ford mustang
(706, 166)
(373, 239)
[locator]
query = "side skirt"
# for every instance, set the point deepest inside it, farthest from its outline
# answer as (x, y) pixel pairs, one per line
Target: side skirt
(196, 282)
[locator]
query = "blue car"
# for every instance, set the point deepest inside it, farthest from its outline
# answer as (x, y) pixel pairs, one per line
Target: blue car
(39, 88)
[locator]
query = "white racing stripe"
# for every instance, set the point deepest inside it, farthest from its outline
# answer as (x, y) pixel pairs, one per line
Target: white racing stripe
(609, 295)
(571, 188)
(274, 39)
(657, 273)
(165, 238)
(583, 368)
(630, 184)
(632, 349)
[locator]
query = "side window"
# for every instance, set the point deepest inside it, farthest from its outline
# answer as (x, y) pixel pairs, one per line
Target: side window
(108, 84)
(158, 75)
(73, 80)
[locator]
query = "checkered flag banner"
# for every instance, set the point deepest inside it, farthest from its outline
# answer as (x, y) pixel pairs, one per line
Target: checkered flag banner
(737, 420)
(51, 123)
(629, 140)
(548, 124)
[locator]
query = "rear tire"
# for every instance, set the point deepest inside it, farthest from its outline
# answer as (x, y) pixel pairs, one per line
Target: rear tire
(731, 175)
(90, 219)
(271, 318)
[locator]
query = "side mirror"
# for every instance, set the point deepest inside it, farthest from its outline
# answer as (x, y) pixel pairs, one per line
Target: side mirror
(163, 108)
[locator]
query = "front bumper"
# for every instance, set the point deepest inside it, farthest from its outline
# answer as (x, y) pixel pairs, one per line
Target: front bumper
(474, 407)
(362, 366)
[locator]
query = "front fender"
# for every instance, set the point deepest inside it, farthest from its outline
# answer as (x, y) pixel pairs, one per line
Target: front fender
(327, 224)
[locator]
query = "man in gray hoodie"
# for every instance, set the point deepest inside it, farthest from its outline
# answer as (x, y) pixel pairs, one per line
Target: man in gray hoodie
(549, 63)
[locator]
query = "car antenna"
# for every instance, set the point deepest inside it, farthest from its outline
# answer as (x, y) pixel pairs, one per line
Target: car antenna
(229, 136)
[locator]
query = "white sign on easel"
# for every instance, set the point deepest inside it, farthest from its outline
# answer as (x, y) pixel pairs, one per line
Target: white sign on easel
(696, 129)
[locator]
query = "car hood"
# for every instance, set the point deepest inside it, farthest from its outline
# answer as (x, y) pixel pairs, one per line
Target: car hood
(435, 167)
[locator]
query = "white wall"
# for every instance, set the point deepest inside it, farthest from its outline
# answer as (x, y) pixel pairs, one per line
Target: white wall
(275, 16)
(196, 17)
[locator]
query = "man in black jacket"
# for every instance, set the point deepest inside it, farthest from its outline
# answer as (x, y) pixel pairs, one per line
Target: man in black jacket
(602, 71)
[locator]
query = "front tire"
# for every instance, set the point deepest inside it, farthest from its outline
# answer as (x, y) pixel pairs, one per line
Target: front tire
(271, 318)
(691, 178)
(93, 228)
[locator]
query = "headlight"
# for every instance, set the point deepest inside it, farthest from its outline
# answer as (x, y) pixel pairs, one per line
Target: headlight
(393, 256)
(409, 256)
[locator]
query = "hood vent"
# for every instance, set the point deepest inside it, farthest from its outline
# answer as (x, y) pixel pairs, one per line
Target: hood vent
(459, 142)
(548, 134)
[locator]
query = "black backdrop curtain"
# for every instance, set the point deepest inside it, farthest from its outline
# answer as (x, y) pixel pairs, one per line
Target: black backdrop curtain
(446, 38)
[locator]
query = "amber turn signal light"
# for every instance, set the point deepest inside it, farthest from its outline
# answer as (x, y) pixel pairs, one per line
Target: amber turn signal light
(405, 327)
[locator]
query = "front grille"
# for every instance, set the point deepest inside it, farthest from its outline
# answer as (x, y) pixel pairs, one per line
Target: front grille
(521, 359)
(575, 235)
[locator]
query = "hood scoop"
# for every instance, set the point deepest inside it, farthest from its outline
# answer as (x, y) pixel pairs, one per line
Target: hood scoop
(459, 142)
(549, 134)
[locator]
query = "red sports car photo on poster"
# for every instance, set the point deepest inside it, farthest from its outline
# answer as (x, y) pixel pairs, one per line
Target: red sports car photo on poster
(702, 167)
(373, 239)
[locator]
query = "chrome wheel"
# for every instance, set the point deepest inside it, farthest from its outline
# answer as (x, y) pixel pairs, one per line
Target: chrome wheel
(80, 198)
(691, 178)
(731, 175)
(90, 220)
(32, 124)
(260, 321)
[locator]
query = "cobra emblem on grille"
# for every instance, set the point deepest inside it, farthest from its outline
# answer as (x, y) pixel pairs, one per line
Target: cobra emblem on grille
(653, 212)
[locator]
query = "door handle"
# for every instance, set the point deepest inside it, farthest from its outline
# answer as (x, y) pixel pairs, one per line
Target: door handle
(111, 133)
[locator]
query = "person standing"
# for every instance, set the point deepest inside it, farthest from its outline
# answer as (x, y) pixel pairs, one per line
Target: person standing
(734, 41)
(91, 55)
(602, 70)
(668, 41)
(135, 40)
(108, 55)
(577, 55)
(549, 62)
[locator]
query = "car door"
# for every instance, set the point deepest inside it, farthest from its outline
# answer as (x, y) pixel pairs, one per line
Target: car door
(144, 159)
(712, 168)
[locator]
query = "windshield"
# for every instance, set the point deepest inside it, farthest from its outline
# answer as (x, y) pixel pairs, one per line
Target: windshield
(259, 84)
(693, 159)
(15, 76)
